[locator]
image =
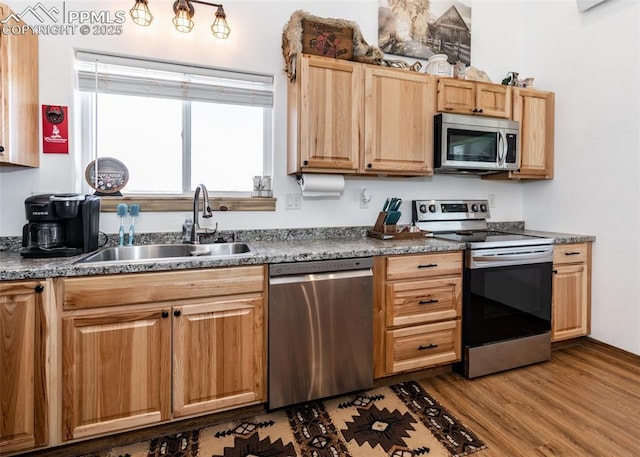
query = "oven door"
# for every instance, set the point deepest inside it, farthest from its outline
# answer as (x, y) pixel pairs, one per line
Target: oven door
(507, 294)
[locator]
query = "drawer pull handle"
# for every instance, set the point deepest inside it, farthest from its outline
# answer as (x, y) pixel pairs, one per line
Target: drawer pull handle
(427, 302)
(429, 265)
(572, 253)
(429, 346)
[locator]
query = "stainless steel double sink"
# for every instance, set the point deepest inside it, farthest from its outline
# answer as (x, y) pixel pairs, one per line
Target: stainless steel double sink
(160, 252)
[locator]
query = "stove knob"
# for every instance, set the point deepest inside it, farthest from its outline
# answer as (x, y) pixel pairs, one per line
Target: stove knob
(423, 208)
(475, 208)
(432, 208)
(483, 208)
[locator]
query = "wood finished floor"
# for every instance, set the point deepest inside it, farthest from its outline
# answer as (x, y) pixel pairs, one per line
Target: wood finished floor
(584, 402)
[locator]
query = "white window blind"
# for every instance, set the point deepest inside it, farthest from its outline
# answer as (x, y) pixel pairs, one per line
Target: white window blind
(152, 78)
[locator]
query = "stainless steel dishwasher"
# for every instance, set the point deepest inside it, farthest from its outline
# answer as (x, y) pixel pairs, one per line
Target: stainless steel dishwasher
(320, 329)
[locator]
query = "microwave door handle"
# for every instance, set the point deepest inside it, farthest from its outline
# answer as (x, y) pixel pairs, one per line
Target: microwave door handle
(502, 141)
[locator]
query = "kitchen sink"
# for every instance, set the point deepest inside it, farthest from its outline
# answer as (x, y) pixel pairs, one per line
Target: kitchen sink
(142, 253)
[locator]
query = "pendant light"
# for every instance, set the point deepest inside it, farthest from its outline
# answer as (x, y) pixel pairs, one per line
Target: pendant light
(220, 28)
(184, 12)
(140, 13)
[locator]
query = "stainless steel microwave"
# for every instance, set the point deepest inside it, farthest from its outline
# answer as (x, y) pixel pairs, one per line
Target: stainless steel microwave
(472, 144)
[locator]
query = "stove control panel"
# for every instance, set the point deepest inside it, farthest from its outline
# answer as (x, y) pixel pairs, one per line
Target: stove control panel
(449, 210)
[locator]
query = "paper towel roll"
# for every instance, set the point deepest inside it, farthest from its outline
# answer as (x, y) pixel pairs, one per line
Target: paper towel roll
(316, 185)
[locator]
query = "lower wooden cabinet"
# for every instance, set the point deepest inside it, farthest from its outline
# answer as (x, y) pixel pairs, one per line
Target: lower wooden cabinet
(135, 359)
(571, 291)
(24, 335)
(418, 306)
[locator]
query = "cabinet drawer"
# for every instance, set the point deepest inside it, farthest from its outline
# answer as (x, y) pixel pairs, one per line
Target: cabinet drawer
(417, 302)
(570, 253)
(422, 346)
(127, 289)
(424, 265)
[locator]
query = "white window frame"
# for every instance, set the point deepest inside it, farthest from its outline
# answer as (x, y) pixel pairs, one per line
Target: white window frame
(107, 73)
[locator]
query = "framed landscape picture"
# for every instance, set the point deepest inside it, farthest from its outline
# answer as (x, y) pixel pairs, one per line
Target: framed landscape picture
(422, 28)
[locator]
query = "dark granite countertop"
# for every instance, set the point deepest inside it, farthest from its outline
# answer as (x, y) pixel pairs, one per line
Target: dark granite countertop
(272, 246)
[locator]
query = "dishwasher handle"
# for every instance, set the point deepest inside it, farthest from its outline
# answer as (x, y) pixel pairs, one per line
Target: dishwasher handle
(312, 277)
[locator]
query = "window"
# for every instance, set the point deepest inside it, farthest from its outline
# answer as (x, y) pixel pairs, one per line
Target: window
(175, 126)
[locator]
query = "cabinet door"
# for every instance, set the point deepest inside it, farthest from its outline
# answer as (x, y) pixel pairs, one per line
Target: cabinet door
(493, 100)
(116, 370)
(456, 96)
(399, 110)
(535, 112)
(23, 335)
(19, 101)
(218, 355)
(329, 104)
(570, 317)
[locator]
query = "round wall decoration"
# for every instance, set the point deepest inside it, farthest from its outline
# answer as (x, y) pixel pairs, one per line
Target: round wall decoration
(112, 175)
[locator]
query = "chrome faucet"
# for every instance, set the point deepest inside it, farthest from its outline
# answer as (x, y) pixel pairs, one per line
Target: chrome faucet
(196, 231)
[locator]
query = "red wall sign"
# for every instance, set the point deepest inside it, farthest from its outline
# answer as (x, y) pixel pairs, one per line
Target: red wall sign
(55, 129)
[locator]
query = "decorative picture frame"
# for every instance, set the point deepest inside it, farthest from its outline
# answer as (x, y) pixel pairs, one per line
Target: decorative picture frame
(423, 28)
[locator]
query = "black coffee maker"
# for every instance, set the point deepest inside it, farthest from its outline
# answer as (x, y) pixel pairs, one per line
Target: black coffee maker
(60, 225)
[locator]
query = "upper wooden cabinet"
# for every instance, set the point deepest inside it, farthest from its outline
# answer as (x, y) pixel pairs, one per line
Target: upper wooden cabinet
(140, 349)
(398, 122)
(475, 98)
(352, 118)
(23, 353)
(534, 110)
(324, 114)
(18, 95)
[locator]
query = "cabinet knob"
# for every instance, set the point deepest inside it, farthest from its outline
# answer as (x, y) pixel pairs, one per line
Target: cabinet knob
(177, 313)
(369, 165)
(39, 288)
(555, 272)
(480, 111)
(305, 163)
(475, 110)
(165, 314)
(1, 148)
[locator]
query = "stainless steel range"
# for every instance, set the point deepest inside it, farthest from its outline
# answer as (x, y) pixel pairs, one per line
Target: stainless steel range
(506, 310)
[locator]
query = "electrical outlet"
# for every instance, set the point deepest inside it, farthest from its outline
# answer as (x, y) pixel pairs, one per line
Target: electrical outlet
(492, 200)
(293, 201)
(364, 204)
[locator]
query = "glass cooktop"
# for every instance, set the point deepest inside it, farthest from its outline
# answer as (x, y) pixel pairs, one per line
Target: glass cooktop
(480, 239)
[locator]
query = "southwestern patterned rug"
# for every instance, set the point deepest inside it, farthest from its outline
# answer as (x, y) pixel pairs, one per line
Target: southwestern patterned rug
(397, 421)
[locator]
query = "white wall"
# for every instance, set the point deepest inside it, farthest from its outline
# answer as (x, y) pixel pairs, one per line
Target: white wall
(589, 59)
(254, 44)
(592, 61)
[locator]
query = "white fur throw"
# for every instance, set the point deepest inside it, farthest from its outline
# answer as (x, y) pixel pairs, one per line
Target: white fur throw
(292, 41)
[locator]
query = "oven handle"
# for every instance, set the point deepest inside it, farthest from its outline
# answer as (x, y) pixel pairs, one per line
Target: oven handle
(524, 258)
